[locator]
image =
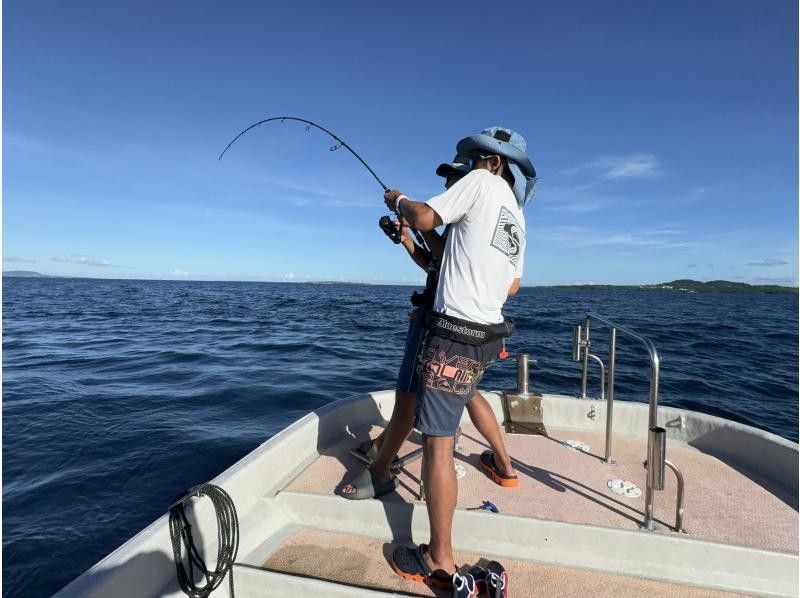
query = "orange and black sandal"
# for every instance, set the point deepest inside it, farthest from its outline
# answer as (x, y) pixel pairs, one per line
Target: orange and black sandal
(409, 564)
(490, 467)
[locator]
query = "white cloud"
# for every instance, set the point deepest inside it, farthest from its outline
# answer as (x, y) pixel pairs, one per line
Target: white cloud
(768, 280)
(181, 273)
(634, 166)
(580, 199)
(769, 263)
(298, 201)
(84, 260)
(579, 236)
(572, 200)
(607, 168)
(304, 194)
(15, 259)
(289, 276)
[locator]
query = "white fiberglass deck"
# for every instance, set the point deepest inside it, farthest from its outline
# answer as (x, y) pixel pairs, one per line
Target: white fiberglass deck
(359, 561)
(722, 504)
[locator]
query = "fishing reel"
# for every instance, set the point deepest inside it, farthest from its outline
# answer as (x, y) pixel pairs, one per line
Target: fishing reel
(389, 229)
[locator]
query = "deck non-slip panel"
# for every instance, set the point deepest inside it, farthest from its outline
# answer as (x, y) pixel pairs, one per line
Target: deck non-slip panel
(365, 562)
(722, 504)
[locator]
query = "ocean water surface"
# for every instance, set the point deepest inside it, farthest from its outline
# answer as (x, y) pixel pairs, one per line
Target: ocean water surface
(120, 394)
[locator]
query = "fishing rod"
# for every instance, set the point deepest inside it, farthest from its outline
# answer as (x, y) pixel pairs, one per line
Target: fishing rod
(339, 143)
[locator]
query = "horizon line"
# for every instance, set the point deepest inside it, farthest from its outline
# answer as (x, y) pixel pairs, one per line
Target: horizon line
(374, 283)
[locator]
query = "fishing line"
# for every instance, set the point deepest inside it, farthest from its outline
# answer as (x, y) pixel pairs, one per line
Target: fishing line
(339, 144)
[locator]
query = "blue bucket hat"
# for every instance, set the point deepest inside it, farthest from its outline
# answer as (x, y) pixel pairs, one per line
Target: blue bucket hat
(459, 165)
(511, 145)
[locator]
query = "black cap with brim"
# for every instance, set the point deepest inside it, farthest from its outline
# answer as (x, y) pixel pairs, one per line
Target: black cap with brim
(459, 165)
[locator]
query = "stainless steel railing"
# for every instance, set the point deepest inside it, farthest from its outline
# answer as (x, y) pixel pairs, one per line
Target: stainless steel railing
(656, 438)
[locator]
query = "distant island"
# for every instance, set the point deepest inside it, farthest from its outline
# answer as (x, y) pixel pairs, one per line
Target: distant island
(688, 286)
(676, 286)
(24, 274)
(363, 284)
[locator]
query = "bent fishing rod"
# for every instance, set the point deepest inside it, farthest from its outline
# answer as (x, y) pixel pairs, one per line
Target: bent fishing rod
(339, 143)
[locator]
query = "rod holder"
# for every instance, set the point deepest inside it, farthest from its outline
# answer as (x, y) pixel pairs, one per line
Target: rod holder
(523, 374)
(576, 342)
(656, 460)
(522, 406)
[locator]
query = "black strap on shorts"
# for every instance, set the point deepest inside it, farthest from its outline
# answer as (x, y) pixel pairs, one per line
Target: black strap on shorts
(426, 297)
(464, 331)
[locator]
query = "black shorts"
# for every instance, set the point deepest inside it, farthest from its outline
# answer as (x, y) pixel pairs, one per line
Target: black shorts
(450, 373)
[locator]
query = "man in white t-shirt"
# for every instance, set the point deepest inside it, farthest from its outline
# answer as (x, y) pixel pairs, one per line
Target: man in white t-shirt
(379, 479)
(483, 256)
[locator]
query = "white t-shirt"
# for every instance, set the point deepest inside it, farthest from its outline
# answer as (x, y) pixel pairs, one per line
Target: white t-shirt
(484, 250)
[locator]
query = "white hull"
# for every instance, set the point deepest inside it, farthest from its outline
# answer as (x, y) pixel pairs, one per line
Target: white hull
(269, 513)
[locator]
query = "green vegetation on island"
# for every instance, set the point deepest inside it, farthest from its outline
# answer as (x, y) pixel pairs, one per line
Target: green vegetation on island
(689, 286)
(682, 285)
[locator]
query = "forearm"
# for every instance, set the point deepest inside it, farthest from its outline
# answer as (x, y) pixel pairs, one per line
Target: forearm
(418, 254)
(421, 257)
(435, 243)
(419, 215)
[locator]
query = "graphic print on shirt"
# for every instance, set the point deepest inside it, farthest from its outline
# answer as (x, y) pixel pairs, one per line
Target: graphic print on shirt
(507, 236)
(456, 374)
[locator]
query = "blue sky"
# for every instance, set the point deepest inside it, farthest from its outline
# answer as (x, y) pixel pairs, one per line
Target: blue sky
(665, 135)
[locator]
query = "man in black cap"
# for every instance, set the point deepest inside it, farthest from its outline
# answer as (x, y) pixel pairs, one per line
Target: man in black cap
(483, 256)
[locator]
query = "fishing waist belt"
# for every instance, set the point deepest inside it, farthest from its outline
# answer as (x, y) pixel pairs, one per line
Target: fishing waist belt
(464, 331)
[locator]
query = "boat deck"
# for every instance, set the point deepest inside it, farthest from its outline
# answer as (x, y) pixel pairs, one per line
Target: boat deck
(362, 562)
(561, 531)
(722, 504)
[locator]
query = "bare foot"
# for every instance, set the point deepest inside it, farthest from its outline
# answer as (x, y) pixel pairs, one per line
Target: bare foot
(448, 566)
(504, 467)
(350, 489)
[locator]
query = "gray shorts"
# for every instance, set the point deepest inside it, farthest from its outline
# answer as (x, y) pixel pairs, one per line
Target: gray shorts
(450, 373)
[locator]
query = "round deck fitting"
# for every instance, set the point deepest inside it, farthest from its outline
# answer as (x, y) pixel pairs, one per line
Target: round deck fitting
(625, 488)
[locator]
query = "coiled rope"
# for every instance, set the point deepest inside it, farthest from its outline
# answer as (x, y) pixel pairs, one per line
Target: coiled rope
(227, 541)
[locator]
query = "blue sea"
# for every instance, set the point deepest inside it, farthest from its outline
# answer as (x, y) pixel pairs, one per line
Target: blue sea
(120, 394)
